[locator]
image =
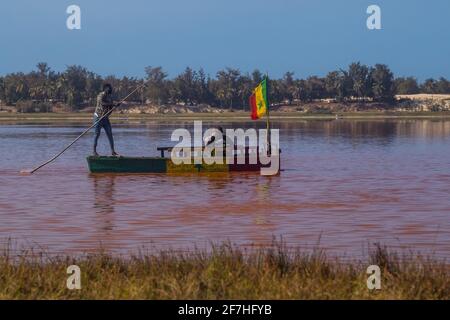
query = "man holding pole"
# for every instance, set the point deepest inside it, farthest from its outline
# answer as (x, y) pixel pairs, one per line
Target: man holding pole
(103, 109)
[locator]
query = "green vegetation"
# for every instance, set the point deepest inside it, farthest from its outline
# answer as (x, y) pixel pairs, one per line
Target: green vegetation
(224, 272)
(76, 88)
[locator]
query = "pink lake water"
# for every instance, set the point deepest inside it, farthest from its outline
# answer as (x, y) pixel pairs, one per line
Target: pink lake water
(345, 185)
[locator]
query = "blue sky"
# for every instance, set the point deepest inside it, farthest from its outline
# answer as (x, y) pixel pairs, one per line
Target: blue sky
(309, 37)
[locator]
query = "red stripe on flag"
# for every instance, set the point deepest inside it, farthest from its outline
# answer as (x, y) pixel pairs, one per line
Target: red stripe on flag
(253, 107)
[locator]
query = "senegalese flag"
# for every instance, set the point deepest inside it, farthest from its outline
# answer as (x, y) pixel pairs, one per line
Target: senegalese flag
(258, 100)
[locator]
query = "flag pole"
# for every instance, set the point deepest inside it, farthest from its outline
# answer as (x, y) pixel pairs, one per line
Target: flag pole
(269, 151)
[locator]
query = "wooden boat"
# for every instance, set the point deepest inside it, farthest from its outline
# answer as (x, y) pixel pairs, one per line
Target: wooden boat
(109, 164)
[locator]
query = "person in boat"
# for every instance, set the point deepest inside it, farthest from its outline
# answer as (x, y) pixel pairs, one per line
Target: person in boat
(104, 107)
(212, 138)
(225, 140)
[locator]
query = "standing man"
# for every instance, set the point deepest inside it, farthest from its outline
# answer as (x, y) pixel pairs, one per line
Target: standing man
(104, 107)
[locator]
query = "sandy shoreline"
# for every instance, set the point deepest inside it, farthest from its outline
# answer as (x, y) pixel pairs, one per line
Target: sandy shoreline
(226, 116)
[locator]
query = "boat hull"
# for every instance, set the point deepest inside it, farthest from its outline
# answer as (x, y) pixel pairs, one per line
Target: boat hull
(127, 165)
(159, 165)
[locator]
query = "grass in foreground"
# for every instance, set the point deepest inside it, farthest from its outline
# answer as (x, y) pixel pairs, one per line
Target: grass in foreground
(224, 272)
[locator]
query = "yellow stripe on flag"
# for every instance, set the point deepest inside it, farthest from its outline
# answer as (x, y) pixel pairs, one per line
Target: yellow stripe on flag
(260, 101)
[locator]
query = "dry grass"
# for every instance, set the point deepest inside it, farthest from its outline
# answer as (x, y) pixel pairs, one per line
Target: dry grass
(224, 272)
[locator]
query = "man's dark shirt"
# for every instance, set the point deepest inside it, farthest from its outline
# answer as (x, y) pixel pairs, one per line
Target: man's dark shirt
(104, 104)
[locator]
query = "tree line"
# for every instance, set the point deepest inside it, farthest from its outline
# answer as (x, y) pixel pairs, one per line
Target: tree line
(78, 87)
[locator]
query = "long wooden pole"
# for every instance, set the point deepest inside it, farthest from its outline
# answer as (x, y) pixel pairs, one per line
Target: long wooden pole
(81, 135)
